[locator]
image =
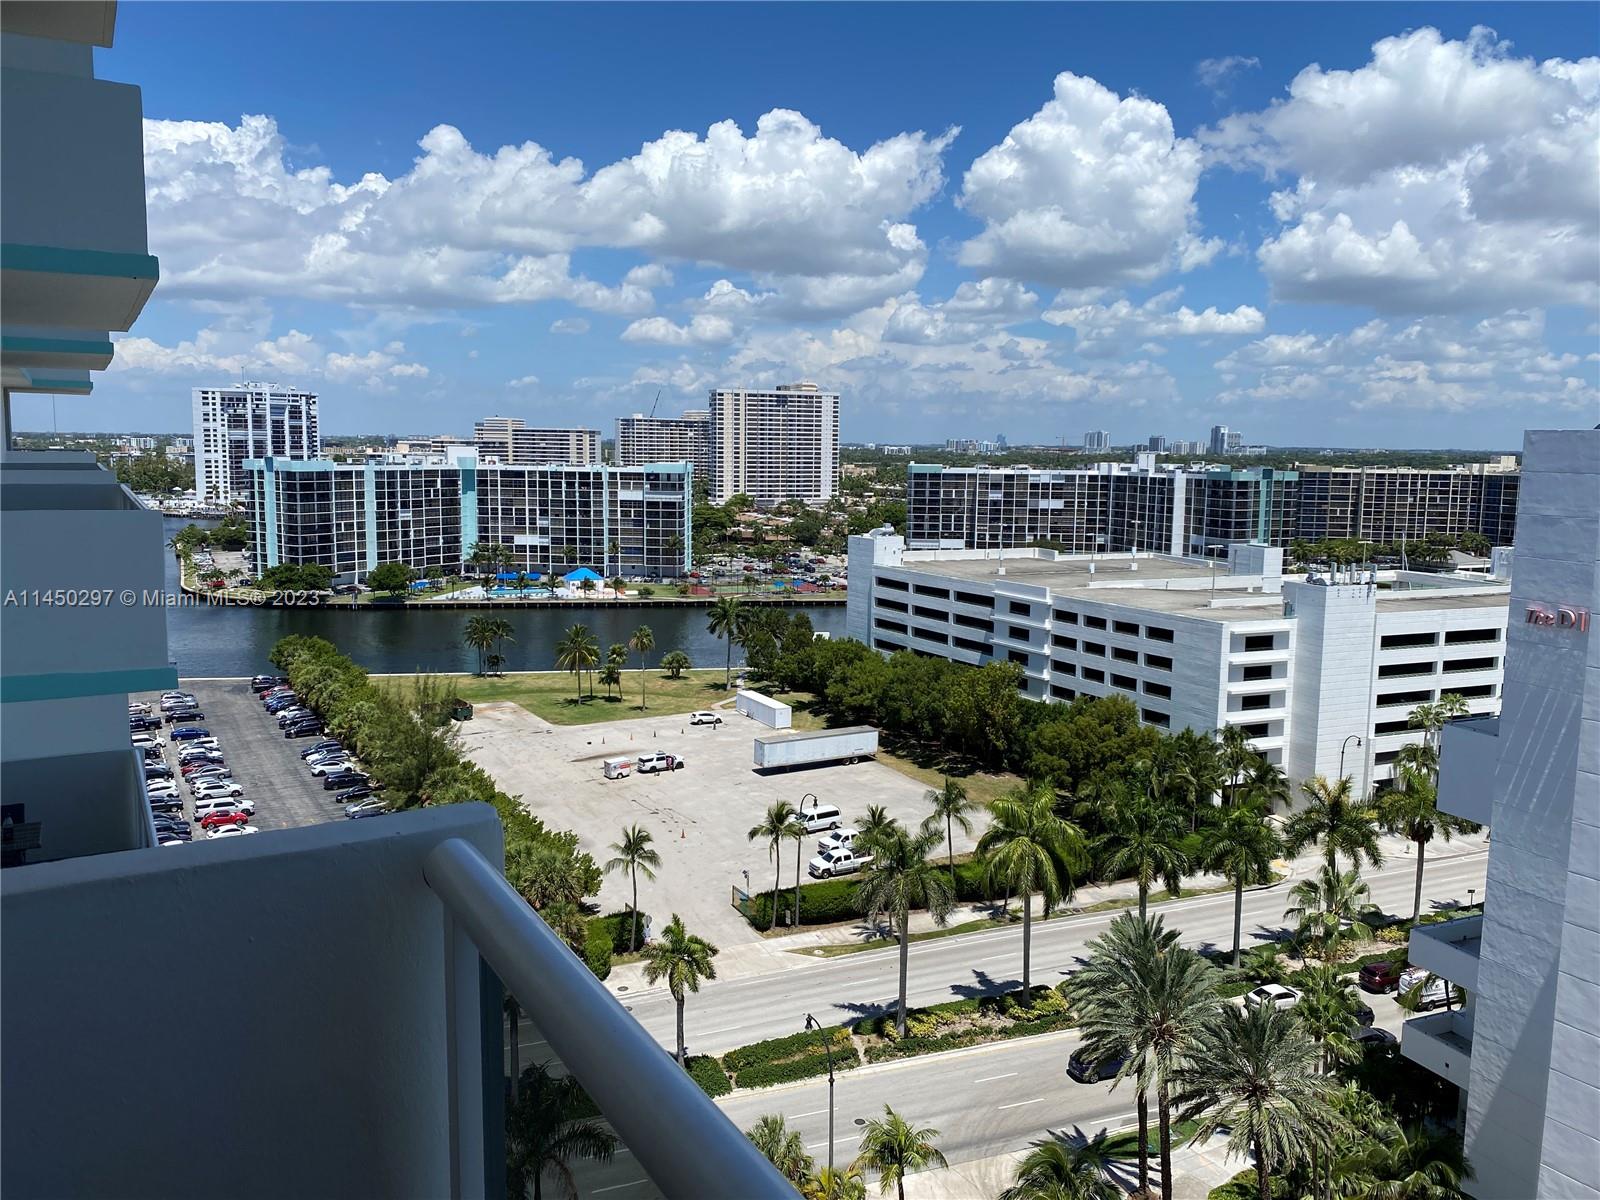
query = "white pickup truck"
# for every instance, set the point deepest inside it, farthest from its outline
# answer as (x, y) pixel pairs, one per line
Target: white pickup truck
(840, 861)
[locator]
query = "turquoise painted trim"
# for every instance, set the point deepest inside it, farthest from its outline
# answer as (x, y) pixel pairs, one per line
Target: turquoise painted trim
(469, 508)
(77, 685)
(78, 387)
(269, 486)
(58, 260)
(688, 517)
(369, 494)
(39, 345)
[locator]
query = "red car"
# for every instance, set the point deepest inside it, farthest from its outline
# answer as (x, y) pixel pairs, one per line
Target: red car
(1381, 976)
(213, 820)
(190, 768)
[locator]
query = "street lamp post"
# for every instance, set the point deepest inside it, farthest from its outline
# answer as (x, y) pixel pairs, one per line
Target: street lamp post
(1354, 737)
(827, 1049)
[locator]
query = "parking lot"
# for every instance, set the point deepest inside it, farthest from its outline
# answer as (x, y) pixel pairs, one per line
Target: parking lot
(264, 763)
(699, 816)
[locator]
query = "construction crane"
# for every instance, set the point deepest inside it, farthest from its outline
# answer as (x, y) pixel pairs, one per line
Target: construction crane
(655, 402)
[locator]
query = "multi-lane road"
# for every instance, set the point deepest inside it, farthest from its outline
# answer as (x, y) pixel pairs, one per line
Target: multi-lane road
(985, 1101)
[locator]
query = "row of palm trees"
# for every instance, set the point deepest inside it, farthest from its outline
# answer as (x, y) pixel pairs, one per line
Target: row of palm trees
(487, 635)
(578, 651)
(891, 1147)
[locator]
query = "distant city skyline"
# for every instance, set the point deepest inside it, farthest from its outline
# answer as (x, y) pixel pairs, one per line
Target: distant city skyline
(1030, 220)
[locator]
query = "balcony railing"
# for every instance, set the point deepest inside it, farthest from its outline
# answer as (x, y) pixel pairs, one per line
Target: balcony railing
(1449, 949)
(1442, 1043)
(680, 1138)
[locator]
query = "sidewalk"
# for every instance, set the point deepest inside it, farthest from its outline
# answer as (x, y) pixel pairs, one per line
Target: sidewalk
(774, 953)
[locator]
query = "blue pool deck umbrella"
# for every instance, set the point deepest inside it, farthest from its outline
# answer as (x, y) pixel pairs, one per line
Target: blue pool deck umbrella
(580, 575)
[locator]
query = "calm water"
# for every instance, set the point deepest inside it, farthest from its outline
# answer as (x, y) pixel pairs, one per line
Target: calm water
(236, 641)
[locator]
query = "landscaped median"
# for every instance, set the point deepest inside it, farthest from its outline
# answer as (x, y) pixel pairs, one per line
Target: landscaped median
(939, 1027)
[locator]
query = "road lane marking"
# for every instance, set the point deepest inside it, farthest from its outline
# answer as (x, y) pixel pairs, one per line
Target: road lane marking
(724, 1029)
(618, 1186)
(1019, 1103)
(992, 1078)
(854, 1137)
(816, 1112)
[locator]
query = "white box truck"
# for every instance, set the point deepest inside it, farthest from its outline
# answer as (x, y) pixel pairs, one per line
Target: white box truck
(774, 714)
(779, 750)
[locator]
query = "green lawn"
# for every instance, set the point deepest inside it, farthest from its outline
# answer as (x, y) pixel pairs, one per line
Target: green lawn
(555, 696)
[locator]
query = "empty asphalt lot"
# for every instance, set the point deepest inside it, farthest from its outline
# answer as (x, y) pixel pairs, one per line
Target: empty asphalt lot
(265, 763)
(699, 816)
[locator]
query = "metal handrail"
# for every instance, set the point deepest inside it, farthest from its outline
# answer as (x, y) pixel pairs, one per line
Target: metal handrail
(681, 1139)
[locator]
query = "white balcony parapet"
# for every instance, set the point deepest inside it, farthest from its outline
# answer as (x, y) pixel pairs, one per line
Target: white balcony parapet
(1469, 754)
(681, 1139)
(1449, 949)
(1440, 1042)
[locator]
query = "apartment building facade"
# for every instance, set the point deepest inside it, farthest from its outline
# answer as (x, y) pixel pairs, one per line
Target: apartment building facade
(428, 512)
(1097, 440)
(1390, 504)
(775, 445)
(642, 439)
(1525, 1047)
(1199, 509)
(249, 420)
(1299, 664)
(511, 441)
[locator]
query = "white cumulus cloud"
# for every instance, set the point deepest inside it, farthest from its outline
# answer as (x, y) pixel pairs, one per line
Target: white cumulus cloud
(703, 329)
(1105, 328)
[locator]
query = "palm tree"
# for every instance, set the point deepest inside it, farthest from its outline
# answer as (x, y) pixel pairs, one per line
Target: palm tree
(1404, 1162)
(611, 675)
(781, 821)
(893, 1146)
(683, 959)
(1338, 821)
(1055, 1170)
(1197, 773)
(1028, 847)
(1105, 993)
(899, 879)
(1143, 838)
(783, 1147)
(875, 824)
(1329, 1010)
(950, 806)
(477, 635)
(1432, 718)
(1268, 785)
(675, 663)
(500, 629)
(724, 619)
(1412, 810)
(577, 651)
(1235, 756)
(634, 855)
(829, 1184)
(1254, 1072)
(1326, 908)
(546, 1128)
(1240, 847)
(641, 643)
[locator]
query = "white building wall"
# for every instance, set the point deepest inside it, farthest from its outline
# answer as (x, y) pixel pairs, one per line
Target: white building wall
(1533, 1109)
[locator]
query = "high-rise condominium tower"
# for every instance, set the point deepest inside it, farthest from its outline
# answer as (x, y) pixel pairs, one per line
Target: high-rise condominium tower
(513, 443)
(775, 445)
(249, 420)
(642, 439)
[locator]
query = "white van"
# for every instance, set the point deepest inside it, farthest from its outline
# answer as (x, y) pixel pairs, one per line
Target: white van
(820, 817)
(618, 768)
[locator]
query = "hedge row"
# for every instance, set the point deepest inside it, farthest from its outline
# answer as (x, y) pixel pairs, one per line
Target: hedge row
(833, 900)
(775, 1050)
(767, 1074)
(597, 949)
(708, 1073)
(619, 927)
(1046, 1013)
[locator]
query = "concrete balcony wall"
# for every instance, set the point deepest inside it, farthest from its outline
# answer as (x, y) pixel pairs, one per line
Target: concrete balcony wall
(317, 984)
(1441, 1043)
(1449, 949)
(84, 802)
(1469, 754)
(78, 536)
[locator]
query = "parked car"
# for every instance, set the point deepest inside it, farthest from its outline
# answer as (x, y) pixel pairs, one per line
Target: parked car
(163, 789)
(205, 743)
(831, 863)
(361, 791)
(232, 831)
(1373, 1036)
(705, 718)
(143, 724)
(202, 766)
(1428, 989)
(276, 703)
(293, 712)
(215, 820)
(187, 733)
(344, 779)
(263, 683)
(146, 738)
(321, 756)
(367, 808)
(153, 772)
(319, 747)
(839, 839)
(1274, 994)
(304, 729)
(201, 778)
(224, 804)
(1381, 976)
(332, 766)
(657, 760)
(179, 715)
(819, 817)
(203, 756)
(1084, 1069)
(211, 789)
(168, 802)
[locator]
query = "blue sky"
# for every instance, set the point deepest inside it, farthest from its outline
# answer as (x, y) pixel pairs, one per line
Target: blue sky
(1343, 225)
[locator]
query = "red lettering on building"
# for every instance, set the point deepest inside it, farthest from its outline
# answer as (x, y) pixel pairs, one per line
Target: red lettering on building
(1559, 616)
